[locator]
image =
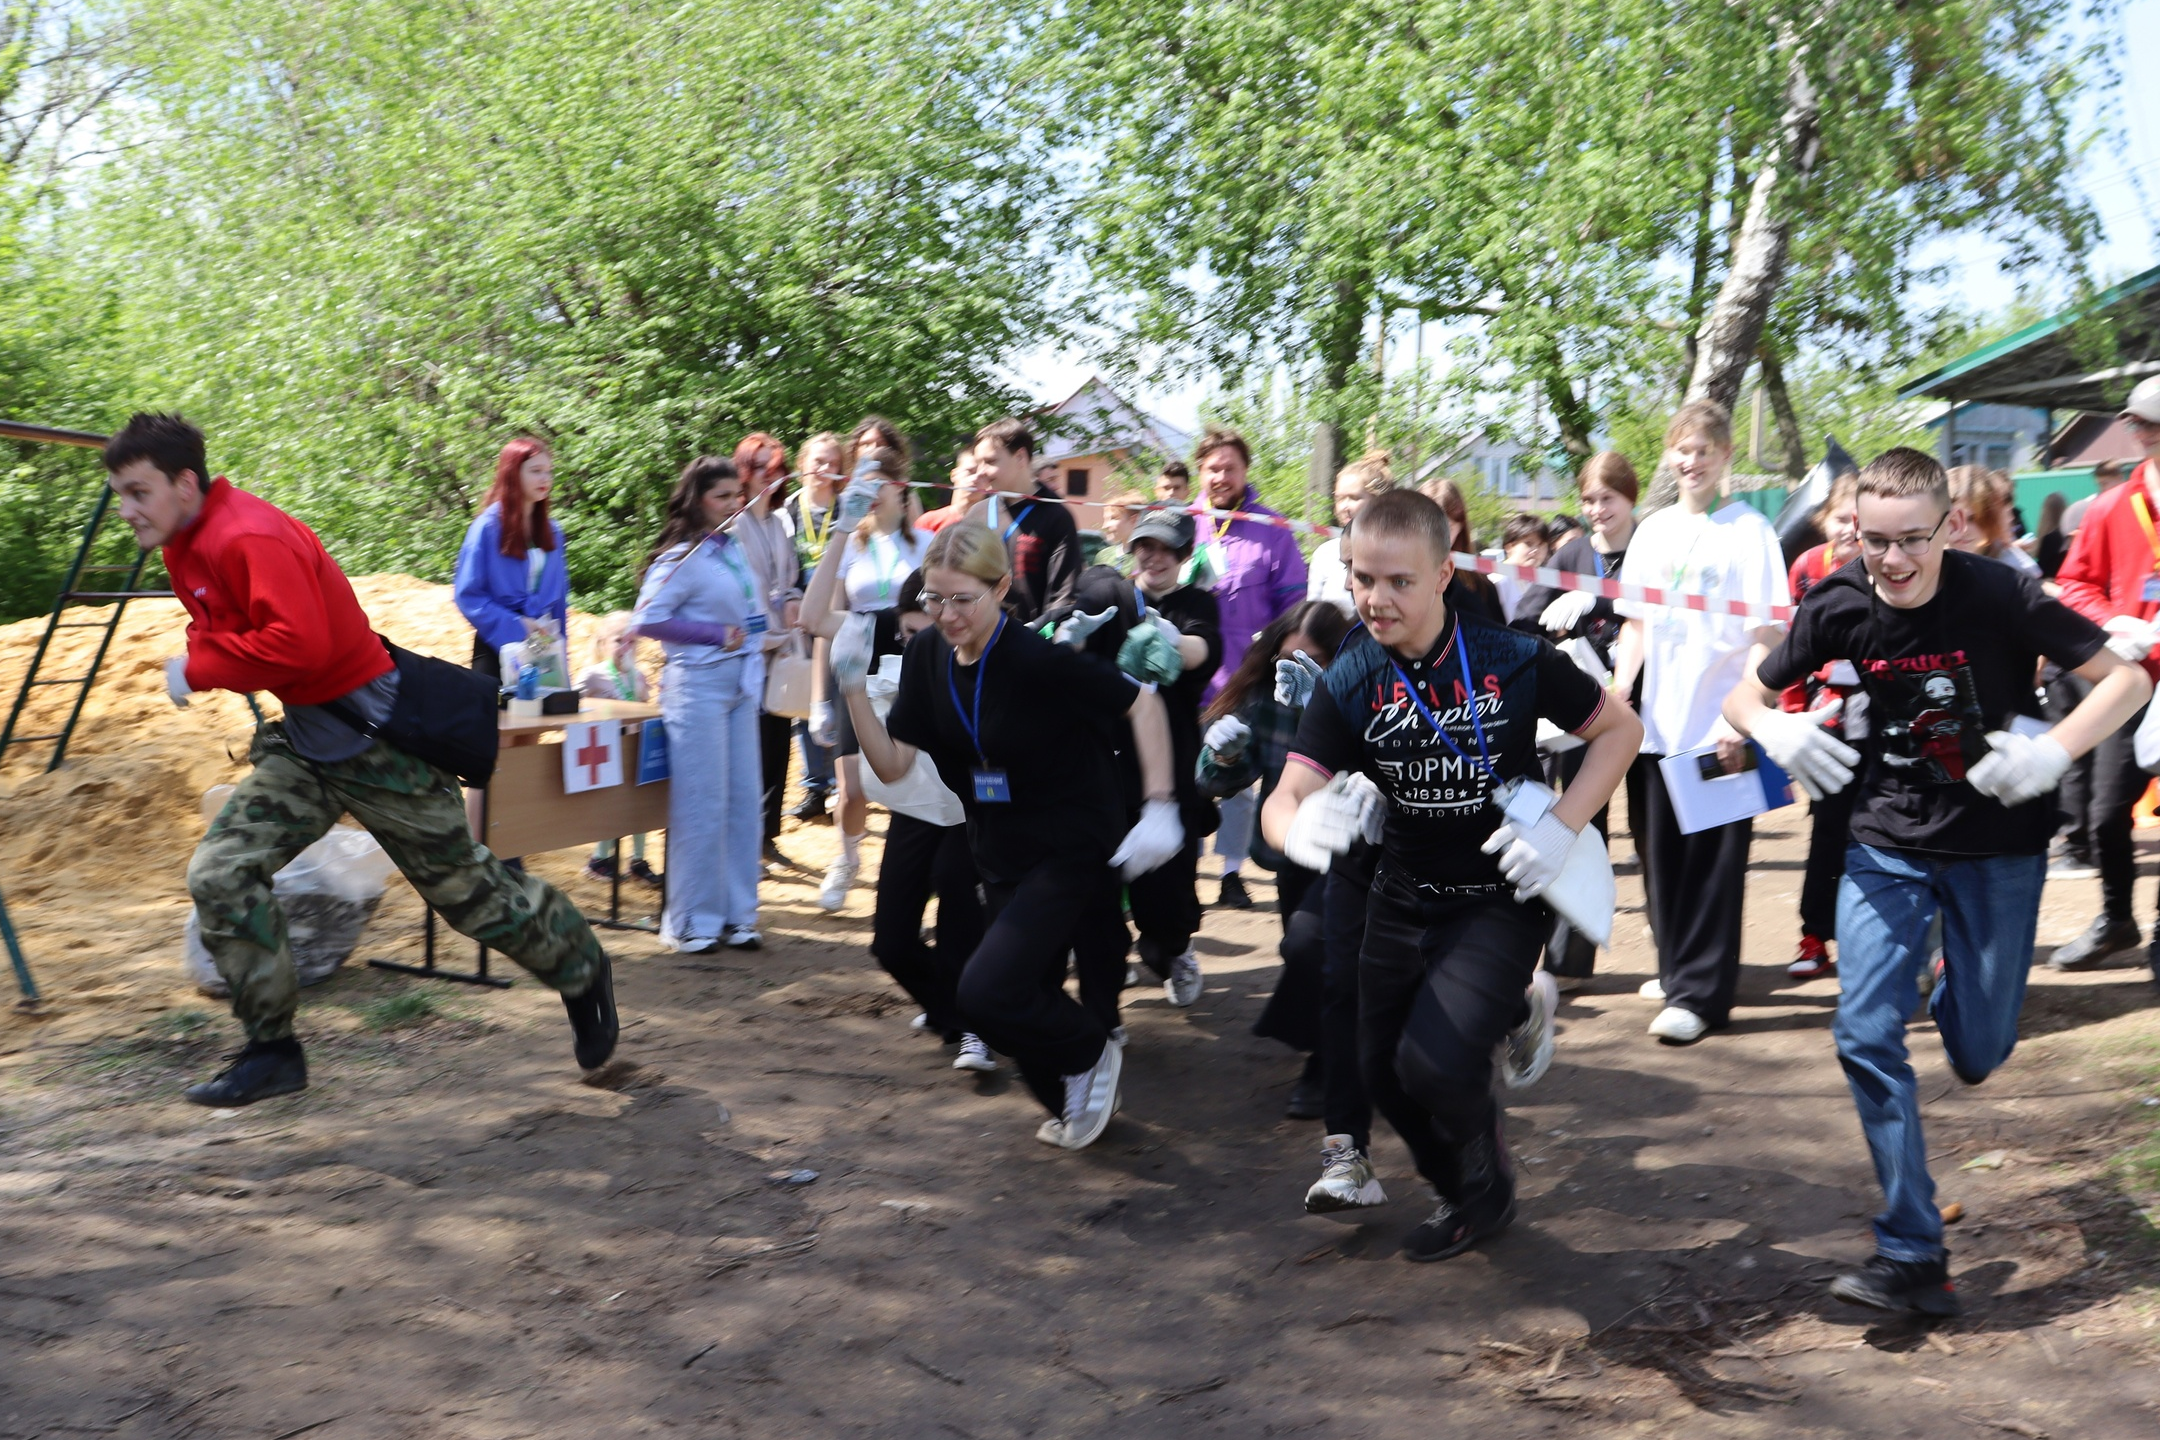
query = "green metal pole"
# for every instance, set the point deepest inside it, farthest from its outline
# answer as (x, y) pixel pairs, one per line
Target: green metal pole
(23, 982)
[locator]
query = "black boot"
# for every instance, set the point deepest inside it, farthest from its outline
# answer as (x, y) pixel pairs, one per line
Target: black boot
(1232, 895)
(262, 1069)
(1481, 1205)
(592, 1017)
(1308, 1098)
(1919, 1286)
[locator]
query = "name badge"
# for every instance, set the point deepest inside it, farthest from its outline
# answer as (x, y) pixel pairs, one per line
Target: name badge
(992, 788)
(757, 624)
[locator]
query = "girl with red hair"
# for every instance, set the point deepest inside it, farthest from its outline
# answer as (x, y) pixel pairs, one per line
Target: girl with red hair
(511, 579)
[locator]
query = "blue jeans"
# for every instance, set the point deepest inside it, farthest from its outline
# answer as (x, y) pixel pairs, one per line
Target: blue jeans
(1886, 903)
(1233, 837)
(817, 761)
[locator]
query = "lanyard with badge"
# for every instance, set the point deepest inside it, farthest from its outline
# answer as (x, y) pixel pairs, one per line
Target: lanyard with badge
(885, 573)
(1022, 514)
(2143, 511)
(1509, 795)
(991, 785)
(754, 619)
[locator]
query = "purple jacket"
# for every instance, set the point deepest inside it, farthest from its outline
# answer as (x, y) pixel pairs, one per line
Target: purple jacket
(1261, 573)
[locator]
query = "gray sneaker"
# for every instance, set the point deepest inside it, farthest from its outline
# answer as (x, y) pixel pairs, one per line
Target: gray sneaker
(1183, 986)
(1091, 1098)
(2103, 940)
(1346, 1180)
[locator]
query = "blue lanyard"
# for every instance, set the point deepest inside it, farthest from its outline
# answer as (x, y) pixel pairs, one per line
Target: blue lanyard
(1140, 599)
(1477, 726)
(972, 723)
(1007, 536)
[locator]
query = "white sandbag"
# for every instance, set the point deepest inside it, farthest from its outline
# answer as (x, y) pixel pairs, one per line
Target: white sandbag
(919, 793)
(328, 892)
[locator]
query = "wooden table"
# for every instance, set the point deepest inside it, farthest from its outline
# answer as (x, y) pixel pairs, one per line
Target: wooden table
(524, 810)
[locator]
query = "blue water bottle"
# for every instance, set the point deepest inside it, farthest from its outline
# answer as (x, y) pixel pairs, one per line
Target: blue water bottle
(528, 686)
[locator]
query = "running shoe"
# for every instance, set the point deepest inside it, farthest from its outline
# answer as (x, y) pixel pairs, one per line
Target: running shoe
(599, 868)
(921, 1021)
(1308, 1097)
(2103, 940)
(743, 937)
(1918, 1286)
(260, 1070)
(2069, 865)
(1183, 986)
(1676, 1026)
(810, 809)
(1132, 975)
(1813, 961)
(1091, 1098)
(1527, 1052)
(838, 881)
(974, 1055)
(1453, 1229)
(1051, 1132)
(644, 874)
(1346, 1180)
(1232, 895)
(1651, 990)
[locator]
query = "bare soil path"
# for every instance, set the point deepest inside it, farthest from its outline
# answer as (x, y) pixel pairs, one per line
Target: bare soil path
(451, 1236)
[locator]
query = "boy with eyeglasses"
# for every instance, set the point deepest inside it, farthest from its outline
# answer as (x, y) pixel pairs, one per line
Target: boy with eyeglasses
(1952, 816)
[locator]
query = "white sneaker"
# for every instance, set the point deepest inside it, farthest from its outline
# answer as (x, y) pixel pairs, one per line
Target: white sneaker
(838, 881)
(1183, 986)
(1051, 1132)
(974, 1055)
(1132, 976)
(743, 937)
(921, 1021)
(1346, 1180)
(1527, 1052)
(1091, 1098)
(1676, 1026)
(1117, 1035)
(1652, 990)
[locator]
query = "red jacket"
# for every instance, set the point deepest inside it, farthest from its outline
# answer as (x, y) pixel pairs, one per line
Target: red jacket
(2111, 559)
(268, 608)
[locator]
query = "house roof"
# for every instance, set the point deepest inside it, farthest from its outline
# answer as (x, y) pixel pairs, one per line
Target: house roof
(2085, 358)
(1095, 418)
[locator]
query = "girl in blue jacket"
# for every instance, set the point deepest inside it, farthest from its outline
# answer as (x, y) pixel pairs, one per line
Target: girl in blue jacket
(511, 577)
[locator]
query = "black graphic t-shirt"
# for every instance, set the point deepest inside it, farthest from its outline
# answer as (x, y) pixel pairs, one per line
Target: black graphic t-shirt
(1440, 807)
(1938, 678)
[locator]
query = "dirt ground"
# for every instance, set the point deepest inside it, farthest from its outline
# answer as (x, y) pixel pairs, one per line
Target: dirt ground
(450, 1235)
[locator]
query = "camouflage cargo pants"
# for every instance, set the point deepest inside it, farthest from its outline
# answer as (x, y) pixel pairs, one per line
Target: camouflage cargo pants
(417, 813)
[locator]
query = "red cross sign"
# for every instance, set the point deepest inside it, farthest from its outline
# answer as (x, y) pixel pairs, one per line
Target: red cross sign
(592, 756)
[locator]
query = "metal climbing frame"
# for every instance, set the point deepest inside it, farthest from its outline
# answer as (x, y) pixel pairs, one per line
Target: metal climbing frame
(23, 982)
(114, 599)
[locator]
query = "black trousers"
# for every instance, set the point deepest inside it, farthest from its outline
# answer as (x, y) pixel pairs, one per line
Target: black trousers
(1697, 886)
(1165, 906)
(1440, 983)
(922, 860)
(1293, 1013)
(2117, 783)
(1829, 832)
(2065, 693)
(1012, 989)
(772, 738)
(1347, 892)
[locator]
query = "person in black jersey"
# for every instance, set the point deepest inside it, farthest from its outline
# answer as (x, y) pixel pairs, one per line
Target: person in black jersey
(1031, 520)
(1026, 733)
(1412, 738)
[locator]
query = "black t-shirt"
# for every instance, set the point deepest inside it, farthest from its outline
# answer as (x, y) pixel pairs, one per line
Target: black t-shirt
(1195, 613)
(1440, 806)
(1052, 719)
(1043, 545)
(1938, 677)
(1599, 624)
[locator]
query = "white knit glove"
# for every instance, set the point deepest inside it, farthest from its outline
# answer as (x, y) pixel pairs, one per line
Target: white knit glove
(824, 724)
(176, 681)
(1227, 738)
(1295, 679)
(1818, 762)
(1532, 858)
(860, 496)
(2018, 768)
(1075, 628)
(2130, 638)
(850, 656)
(1566, 612)
(1347, 809)
(1168, 629)
(1155, 841)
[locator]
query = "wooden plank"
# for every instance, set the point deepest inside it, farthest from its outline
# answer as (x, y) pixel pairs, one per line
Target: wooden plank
(529, 813)
(526, 732)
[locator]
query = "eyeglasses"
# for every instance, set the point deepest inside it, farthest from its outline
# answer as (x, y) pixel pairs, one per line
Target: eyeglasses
(932, 602)
(1879, 545)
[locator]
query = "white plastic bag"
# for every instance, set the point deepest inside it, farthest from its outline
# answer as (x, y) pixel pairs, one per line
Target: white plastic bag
(919, 793)
(328, 892)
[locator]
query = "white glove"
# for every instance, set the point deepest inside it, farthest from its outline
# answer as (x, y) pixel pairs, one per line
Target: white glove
(1565, 613)
(2130, 638)
(850, 656)
(1153, 842)
(1227, 739)
(176, 681)
(1075, 628)
(1347, 809)
(1820, 764)
(1531, 859)
(860, 495)
(824, 724)
(2018, 768)
(1168, 628)
(1295, 678)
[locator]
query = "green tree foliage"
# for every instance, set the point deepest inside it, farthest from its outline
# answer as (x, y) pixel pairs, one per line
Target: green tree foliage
(365, 242)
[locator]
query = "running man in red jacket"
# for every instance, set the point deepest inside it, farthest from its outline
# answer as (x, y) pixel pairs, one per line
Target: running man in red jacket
(269, 609)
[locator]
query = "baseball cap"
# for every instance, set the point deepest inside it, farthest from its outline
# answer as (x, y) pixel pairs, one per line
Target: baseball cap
(1168, 524)
(2144, 401)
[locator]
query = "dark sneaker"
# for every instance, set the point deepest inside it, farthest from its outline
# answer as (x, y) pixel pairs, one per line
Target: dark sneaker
(644, 874)
(1813, 962)
(600, 868)
(1232, 895)
(262, 1069)
(592, 1018)
(1308, 1098)
(2103, 940)
(1453, 1229)
(2069, 865)
(1919, 1286)
(810, 809)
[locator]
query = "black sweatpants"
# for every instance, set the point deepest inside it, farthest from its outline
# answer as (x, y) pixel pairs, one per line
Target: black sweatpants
(772, 738)
(1012, 990)
(1293, 1013)
(2117, 783)
(1829, 832)
(1165, 905)
(1441, 981)
(2065, 693)
(1698, 885)
(922, 860)
(1347, 888)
